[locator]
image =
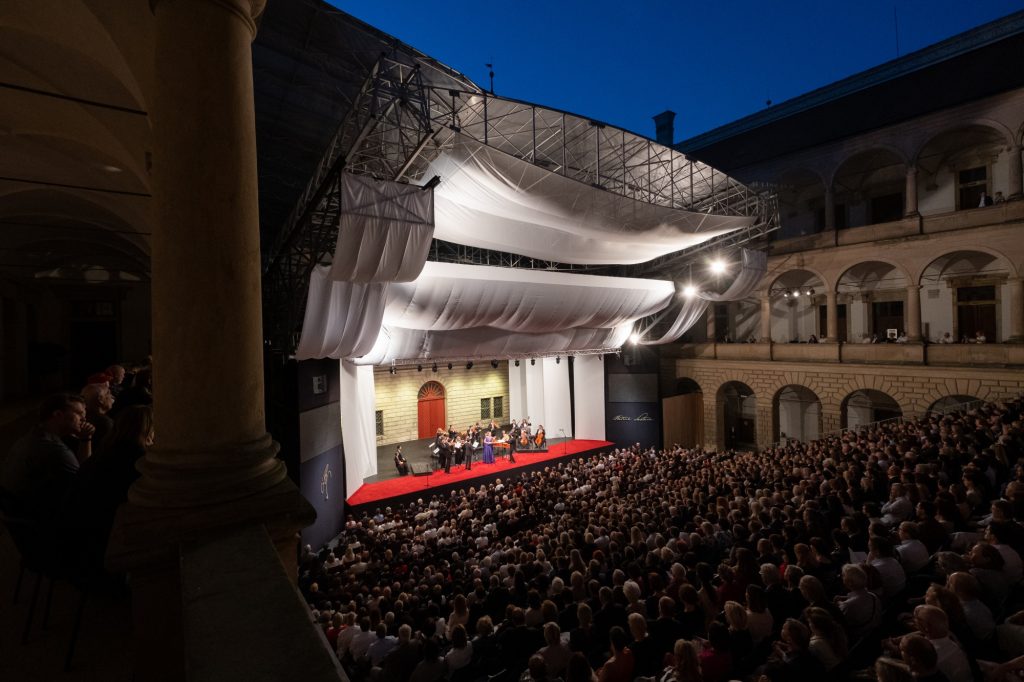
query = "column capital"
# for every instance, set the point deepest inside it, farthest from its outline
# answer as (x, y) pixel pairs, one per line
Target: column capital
(249, 11)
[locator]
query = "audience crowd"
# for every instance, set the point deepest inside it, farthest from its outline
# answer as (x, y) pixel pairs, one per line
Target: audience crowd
(65, 479)
(891, 553)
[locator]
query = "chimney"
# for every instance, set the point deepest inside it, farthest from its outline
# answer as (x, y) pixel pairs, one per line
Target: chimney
(664, 132)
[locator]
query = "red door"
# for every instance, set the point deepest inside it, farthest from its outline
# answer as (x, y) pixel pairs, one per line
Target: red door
(430, 409)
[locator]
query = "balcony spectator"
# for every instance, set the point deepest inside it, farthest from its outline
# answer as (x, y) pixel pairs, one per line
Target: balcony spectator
(812, 339)
(998, 198)
(947, 338)
(979, 337)
(985, 200)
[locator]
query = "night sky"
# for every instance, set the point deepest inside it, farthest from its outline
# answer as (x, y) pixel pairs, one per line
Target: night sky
(710, 62)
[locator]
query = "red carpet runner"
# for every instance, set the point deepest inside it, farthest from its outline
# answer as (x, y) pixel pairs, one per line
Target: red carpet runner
(403, 485)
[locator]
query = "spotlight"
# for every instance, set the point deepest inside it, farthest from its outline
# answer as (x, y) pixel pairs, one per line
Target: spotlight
(469, 365)
(419, 368)
(558, 359)
(494, 364)
(434, 368)
(634, 338)
(449, 365)
(809, 292)
(533, 361)
(718, 266)
(785, 294)
(517, 363)
(795, 293)
(689, 291)
(392, 370)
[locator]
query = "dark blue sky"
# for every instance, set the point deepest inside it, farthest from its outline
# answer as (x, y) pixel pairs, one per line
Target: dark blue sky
(710, 62)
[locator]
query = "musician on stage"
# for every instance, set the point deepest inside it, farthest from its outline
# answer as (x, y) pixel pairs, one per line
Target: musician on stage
(400, 463)
(446, 454)
(488, 448)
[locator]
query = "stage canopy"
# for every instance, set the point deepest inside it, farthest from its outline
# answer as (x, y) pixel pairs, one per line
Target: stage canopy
(492, 200)
(454, 311)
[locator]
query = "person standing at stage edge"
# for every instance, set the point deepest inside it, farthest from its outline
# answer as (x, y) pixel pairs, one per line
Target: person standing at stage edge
(447, 455)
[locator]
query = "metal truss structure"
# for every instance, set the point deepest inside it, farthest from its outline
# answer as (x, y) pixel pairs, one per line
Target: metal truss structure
(404, 116)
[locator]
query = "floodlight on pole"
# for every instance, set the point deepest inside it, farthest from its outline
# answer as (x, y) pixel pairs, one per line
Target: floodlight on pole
(718, 266)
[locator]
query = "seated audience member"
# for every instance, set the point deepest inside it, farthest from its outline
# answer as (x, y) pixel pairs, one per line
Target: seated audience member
(646, 656)
(579, 670)
(39, 472)
(431, 668)
(618, 668)
(383, 645)
(978, 616)
(555, 654)
(399, 664)
(139, 393)
(862, 608)
(98, 401)
(716, 658)
(933, 626)
(461, 653)
(828, 639)
(920, 656)
(792, 660)
(687, 664)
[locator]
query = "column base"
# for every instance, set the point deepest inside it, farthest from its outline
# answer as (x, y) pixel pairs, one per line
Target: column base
(1015, 339)
(146, 542)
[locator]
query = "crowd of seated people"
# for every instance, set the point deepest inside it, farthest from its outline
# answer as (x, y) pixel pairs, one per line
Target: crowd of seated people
(72, 471)
(892, 552)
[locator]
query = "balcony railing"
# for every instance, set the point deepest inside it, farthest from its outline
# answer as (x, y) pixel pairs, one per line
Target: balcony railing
(1009, 211)
(954, 355)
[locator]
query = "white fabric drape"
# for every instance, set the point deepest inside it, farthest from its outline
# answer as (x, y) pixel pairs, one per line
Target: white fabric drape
(358, 398)
(385, 230)
(450, 296)
(456, 311)
(343, 319)
(753, 266)
(487, 343)
(493, 200)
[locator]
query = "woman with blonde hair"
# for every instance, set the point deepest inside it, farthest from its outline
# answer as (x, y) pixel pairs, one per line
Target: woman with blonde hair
(687, 663)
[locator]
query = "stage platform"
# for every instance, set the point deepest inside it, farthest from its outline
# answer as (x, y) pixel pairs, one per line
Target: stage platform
(389, 486)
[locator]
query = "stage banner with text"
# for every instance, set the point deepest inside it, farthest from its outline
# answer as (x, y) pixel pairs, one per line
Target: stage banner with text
(629, 423)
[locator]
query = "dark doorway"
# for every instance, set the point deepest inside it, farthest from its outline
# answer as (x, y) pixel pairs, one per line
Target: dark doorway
(976, 311)
(887, 315)
(93, 348)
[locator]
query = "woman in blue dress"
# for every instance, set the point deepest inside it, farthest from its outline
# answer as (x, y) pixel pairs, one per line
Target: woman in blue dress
(488, 448)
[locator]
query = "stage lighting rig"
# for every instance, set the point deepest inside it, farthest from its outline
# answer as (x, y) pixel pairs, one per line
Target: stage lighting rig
(517, 363)
(419, 368)
(494, 364)
(434, 368)
(449, 365)
(469, 365)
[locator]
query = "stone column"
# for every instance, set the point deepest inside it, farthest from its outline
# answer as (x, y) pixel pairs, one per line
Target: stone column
(831, 317)
(1016, 187)
(912, 315)
(710, 320)
(910, 202)
(1015, 289)
(766, 318)
(214, 466)
(830, 209)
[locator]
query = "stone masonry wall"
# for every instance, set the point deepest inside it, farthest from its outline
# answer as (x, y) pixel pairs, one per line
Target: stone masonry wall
(915, 389)
(397, 396)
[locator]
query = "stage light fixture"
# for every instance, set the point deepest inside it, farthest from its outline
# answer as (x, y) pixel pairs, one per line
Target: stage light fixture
(634, 338)
(533, 361)
(796, 293)
(718, 266)
(785, 293)
(494, 364)
(689, 291)
(434, 368)
(419, 368)
(558, 359)
(809, 292)
(469, 365)
(517, 363)
(449, 365)
(392, 370)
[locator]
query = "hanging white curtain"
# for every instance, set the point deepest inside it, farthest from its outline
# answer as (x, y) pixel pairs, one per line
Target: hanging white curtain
(385, 230)
(754, 264)
(343, 319)
(496, 201)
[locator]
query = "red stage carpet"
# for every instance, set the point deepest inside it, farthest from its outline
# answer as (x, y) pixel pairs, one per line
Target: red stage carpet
(404, 485)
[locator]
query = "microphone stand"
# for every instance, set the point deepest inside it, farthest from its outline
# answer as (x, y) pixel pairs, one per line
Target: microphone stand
(564, 438)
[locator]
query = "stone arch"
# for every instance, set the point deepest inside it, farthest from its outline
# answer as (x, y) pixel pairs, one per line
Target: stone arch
(869, 186)
(950, 402)
(686, 385)
(875, 259)
(776, 276)
(736, 415)
(796, 413)
(871, 405)
(995, 253)
(979, 122)
(956, 387)
(801, 194)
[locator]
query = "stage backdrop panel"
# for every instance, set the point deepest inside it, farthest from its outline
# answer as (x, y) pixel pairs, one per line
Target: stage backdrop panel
(323, 484)
(357, 424)
(588, 396)
(320, 455)
(629, 423)
(557, 415)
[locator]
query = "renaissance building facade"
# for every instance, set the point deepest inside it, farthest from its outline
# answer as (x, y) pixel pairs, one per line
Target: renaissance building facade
(898, 254)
